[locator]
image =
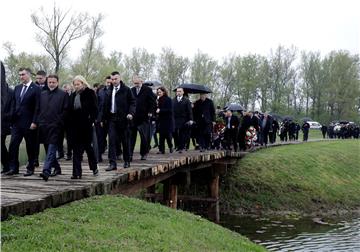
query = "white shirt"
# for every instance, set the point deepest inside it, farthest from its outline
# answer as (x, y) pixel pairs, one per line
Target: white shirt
(179, 98)
(115, 89)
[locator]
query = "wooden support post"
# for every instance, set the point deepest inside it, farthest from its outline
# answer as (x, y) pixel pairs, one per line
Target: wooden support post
(170, 193)
(173, 196)
(214, 208)
(151, 189)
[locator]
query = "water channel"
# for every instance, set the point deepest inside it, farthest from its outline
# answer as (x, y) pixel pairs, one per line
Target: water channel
(305, 234)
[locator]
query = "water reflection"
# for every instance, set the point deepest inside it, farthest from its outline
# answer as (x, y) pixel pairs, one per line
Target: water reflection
(298, 234)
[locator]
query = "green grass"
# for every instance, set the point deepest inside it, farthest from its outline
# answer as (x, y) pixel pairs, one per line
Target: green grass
(307, 177)
(115, 223)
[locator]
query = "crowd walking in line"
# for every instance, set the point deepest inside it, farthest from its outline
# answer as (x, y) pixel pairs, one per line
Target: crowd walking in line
(112, 115)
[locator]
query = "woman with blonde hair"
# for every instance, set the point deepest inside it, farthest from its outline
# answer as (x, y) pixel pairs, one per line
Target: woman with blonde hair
(83, 112)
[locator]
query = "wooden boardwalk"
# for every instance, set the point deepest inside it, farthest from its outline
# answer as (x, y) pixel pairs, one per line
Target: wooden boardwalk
(26, 195)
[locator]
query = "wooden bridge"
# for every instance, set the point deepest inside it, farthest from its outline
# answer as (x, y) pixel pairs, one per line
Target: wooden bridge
(27, 195)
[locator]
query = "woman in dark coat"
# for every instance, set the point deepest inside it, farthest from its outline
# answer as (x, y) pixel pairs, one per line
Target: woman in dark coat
(165, 120)
(83, 112)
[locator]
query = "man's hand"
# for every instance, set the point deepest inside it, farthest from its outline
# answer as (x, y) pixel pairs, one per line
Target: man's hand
(33, 126)
(129, 116)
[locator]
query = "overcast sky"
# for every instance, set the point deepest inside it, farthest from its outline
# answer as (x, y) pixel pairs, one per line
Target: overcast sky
(218, 28)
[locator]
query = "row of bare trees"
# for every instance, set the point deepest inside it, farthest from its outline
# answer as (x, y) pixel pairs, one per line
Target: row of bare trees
(286, 81)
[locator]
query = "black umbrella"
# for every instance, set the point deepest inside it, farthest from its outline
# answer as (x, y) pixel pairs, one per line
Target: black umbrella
(234, 107)
(288, 118)
(152, 83)
(277, 117)
(192, 88)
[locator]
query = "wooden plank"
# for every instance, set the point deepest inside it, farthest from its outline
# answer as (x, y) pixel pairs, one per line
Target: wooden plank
(26, 195)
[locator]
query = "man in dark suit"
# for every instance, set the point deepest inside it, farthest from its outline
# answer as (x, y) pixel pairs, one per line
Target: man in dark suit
(183, 117)
(54, 103)
(305, 128)
(204, 115)
(145, 108)
(6, 106)
(41, 79)
(266, 124)
(24, 122)
(231, 130)
(119, 110)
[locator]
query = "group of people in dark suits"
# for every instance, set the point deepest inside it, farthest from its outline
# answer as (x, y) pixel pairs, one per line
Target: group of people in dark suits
(111, 117)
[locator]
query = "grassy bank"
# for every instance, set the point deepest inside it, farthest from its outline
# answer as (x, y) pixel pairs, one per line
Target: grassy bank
(112, 223)
(318, 176)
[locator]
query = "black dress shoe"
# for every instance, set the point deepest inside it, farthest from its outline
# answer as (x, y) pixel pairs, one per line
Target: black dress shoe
(28, 173)
(55, 173)
(110, 168)
(5, 171)
(160, 152)
(68, 158)
(75, 177)
(44, 176)
(143, 157)
(171, 150)
(36, 163)
(96, 172)
(12, 172)
(126, 164)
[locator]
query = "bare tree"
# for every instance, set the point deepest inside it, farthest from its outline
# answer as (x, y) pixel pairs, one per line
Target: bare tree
(57, 30)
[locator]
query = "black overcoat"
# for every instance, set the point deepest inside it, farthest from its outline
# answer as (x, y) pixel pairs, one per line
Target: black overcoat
(81, 120)
(125, 104)
(165, 116)
(53, 109)
(145, 104)
(182, 112)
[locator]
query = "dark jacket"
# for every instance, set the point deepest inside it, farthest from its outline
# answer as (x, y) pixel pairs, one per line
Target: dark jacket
(145, 104)
(26, 111)
(101, 95)
(234, 122)
(182, 112)
(53, 108)
(125, 104)
(6, 109)
(268, 124)
(204, 112)
(165, 116)
(81, 120)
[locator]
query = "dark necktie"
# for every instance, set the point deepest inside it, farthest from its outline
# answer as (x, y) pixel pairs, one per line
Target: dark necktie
(23, 91)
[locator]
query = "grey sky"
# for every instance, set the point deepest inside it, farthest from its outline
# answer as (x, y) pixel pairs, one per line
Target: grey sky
(215, 27)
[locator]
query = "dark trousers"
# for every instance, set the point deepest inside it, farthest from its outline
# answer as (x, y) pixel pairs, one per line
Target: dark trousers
(17, 135)
(168, 137)
(145, 138)
(204, 136)
(78, 149)
(241, 138)
(230, 138)
(181, 137)
(306, 135)
(153, 133)
(5, 158)
(118, 133)
(101, 133)
(50, 160)
(264, 137)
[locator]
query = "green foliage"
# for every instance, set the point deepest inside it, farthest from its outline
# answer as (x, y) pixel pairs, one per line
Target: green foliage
(305, 177)
(172, 68)
(112, 223)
